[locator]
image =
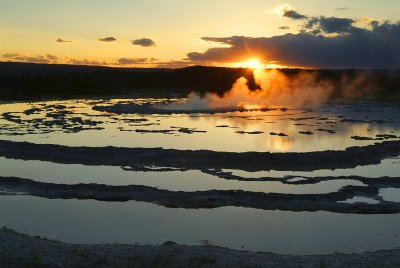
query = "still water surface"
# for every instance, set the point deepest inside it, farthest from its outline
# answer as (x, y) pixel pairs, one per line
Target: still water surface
(74, 123)
(86, 221)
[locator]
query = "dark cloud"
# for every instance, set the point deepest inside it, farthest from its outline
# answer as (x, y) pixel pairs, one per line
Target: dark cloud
(359, 48)
(288, 11)
(107, 39)
(324, 24)
(284, 27)
(332, 24)
(127, 61)
(144, 42)
(293, 14)
(342, 8)
(60, 40)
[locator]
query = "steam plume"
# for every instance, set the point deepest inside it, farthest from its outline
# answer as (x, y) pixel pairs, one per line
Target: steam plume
(275, 89)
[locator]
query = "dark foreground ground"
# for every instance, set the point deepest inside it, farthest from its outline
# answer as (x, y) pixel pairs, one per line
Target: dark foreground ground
(20, 250)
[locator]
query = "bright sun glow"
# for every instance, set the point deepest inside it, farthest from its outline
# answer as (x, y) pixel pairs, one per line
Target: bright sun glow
(256, 64)
(252, 63)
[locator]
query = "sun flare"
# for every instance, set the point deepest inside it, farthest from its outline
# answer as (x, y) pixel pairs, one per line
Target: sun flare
(254, 64)
(251, 63)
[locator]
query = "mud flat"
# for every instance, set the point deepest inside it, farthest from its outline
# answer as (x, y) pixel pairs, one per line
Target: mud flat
(20, 250)
(199, 159)
(333, 202)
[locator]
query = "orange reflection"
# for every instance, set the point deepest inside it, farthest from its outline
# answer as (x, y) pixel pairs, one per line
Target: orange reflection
(280, 144)
(252, 107)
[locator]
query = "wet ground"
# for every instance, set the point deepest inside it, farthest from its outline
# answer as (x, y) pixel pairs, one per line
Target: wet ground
(346, 199)
(334, 126)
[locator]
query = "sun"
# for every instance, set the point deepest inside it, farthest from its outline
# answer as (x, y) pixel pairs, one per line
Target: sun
(253, 63)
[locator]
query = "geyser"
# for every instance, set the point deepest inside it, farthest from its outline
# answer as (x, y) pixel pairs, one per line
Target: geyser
(275, 89)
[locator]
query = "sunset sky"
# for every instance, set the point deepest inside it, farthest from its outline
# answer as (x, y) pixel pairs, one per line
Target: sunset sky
(176, 33)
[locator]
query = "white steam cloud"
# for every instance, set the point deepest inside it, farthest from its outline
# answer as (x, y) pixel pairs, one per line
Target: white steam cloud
(275, 89)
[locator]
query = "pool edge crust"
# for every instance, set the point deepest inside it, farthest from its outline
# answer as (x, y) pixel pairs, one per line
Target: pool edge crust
(198, 159)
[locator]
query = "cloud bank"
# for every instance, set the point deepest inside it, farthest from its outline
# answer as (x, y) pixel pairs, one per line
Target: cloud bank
(87, 62)
(19, 57)
(323, 42)
(130, 61)
(49, 59)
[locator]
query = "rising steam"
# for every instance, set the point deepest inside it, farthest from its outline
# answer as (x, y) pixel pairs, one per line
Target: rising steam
(275, 89)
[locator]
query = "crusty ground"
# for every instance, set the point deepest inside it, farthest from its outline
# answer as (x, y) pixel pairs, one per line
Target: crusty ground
(20, 250)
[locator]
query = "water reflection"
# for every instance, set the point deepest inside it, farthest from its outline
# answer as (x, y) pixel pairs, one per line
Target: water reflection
(83, 221)
(390, 194)
(189, 181)
(330, 127)
(88, 221)
(388, 167)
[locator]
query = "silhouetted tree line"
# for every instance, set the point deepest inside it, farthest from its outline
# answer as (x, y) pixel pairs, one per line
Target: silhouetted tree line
(80, 81)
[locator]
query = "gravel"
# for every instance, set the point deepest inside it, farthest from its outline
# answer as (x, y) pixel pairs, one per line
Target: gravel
(20, 250)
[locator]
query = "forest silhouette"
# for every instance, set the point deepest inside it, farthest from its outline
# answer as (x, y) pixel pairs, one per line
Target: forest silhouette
(28, 80)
